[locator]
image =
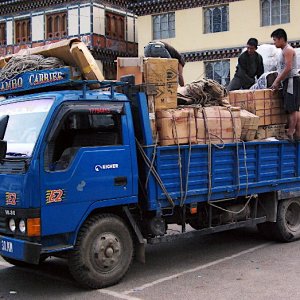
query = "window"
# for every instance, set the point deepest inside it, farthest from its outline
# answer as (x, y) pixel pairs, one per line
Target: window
(163, 26)
(275, 12)
(23, 31)
(115, 26)
(56, 25)
(26, 119)
(2, 33)
(85, 126)
(216, 19)
(218, 70)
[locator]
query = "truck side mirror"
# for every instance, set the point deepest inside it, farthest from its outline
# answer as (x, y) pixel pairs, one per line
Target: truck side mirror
(3, 149)
(3, 125)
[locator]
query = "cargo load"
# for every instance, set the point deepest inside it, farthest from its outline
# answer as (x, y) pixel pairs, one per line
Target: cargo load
(131, 66)
(266, 103)
(277, 131)
(176, 126)
(161, 77)
(218, 125)
(249, 123)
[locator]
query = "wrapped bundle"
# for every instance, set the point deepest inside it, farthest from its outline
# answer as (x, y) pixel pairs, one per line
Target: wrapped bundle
(176, 126)
(218, 124)
(266, 103)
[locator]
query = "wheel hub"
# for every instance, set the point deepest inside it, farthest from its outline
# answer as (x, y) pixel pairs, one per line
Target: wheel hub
(106, 251)
(292, 217)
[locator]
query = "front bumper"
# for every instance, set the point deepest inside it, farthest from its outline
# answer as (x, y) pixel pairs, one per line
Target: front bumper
(20, 250)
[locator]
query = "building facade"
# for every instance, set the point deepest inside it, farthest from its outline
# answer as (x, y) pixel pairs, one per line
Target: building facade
(108, 27)
(212, 33)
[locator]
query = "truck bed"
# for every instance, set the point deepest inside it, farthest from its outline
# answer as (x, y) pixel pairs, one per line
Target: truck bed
(210, 173)
(236, 170)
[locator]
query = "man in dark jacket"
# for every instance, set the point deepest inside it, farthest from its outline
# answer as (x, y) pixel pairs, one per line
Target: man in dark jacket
(164, 50)
(250, 64)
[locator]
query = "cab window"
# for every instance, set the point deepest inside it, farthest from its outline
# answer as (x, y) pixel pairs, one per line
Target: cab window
(78, 129)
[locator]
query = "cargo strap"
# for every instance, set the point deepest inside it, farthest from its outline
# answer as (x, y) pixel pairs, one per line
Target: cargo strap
(212, 203)
(154, 173)
(183, 194)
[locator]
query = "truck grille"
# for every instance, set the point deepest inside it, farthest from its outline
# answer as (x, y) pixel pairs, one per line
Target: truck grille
(13, 167)
(2, 224)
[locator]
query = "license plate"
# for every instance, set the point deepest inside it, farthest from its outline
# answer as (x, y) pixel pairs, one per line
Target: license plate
(19, 249)
(7, 247)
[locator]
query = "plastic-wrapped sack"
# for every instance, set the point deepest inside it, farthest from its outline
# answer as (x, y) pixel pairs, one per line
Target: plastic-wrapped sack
(298, 57)
(270, 55)
(265, 81)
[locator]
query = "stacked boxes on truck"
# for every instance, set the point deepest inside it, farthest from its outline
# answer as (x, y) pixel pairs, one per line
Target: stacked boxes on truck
(251, 114)
(267, 104)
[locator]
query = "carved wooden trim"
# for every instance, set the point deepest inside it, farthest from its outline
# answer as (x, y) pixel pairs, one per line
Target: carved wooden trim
(149, 7)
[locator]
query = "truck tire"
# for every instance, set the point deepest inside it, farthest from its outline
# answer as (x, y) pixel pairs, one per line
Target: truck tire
(103, 252)
(287, 226)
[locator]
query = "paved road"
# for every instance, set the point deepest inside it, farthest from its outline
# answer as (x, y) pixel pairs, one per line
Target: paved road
(231, 265)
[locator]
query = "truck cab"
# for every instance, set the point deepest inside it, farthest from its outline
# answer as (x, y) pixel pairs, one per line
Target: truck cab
(69, 154)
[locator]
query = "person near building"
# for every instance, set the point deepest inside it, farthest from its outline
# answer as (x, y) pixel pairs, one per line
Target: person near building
(164, 50)
(250, 64)
(289, 79)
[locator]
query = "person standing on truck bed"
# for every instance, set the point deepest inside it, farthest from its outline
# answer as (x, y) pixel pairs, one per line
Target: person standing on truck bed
(288, 76)
(250, 64)
(164, 50)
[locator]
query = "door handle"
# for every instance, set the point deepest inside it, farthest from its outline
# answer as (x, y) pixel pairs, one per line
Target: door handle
(119, 181)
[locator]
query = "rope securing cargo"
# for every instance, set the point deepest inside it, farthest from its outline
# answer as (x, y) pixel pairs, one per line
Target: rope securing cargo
(206, 92)
(24, 63)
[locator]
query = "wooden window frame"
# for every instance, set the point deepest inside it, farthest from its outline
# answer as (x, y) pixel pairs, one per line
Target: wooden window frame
(158, 30)
(224, 80)
(23, 31)
(269, 18)
(2, 33)
(211, 25)
(56, 25)
(115, 26)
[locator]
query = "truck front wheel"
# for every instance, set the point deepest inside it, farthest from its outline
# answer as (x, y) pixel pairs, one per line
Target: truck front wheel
(287, 226)
(103, 252)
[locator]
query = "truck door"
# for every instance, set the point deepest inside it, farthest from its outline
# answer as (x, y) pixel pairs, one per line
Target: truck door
(87, 159)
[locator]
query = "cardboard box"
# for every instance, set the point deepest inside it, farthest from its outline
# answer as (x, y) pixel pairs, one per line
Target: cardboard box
(176, 126)
(266, 103)
(249, 123)
(131, 66)
(86, 62)
(218, 125)
(162, 74)
(265, 132)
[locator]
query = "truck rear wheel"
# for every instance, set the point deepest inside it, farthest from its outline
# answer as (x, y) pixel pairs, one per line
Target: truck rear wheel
(103, 252)
(287, 226)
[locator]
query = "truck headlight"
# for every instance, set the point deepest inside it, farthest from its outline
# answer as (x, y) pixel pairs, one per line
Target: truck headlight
(12, 225)
(22, 226)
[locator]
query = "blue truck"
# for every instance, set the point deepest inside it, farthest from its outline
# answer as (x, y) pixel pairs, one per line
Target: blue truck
(82, 179)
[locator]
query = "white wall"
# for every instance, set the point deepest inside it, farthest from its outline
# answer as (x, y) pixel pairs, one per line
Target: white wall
(37, 27)
(73, 21)
(9, 32)
(130, 28)
(98, 20)
(85, 19)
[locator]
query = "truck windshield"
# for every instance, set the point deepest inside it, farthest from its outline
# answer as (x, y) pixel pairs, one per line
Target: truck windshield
(25, 122)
